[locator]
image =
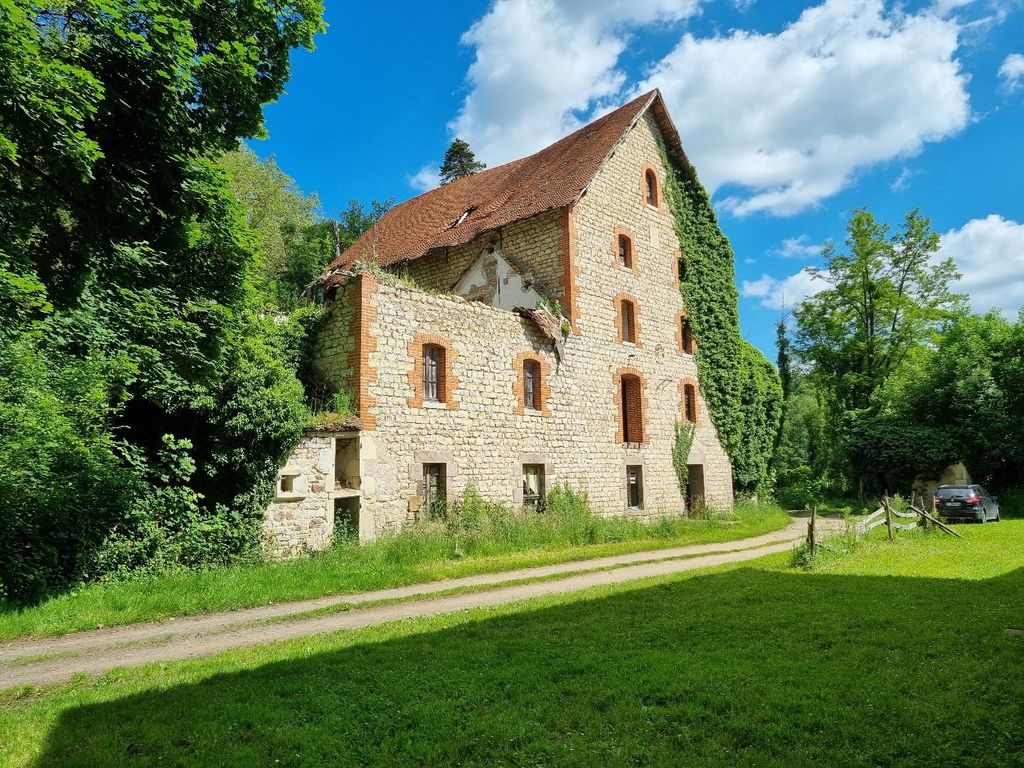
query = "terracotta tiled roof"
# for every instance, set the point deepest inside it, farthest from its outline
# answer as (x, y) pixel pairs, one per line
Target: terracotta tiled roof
(457, 213)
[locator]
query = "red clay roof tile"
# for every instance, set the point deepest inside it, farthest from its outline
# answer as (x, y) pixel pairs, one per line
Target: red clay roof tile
(458, 212)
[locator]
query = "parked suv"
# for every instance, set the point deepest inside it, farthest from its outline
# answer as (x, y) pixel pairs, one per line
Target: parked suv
(966, 502)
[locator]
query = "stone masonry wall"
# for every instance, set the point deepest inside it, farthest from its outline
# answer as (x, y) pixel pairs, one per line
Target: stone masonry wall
(302, 520)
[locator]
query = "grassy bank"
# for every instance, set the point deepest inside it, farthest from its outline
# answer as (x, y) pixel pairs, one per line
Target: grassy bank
(476, 538)
(896, 655)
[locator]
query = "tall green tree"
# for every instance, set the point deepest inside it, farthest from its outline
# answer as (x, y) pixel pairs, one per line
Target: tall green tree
(885, 295)
(127, 274)
(459, 162)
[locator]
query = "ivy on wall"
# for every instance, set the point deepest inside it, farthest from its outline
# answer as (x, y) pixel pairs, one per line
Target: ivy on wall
(681, 452)
(742, 389)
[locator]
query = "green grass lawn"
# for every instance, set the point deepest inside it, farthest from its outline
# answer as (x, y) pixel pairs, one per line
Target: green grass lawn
(896, 655)
(499, 543)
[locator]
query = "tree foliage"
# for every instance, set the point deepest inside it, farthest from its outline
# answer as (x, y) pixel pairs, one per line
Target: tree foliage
(885, 296)
(459, 162)
(142, 392)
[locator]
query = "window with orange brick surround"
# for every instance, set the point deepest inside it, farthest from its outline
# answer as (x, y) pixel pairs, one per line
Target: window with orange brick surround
(519, 386)
(620, 325)
(689, 401)
(448, 382)
(624, 239)
(631, 406)
(686, 343)
(650, 189)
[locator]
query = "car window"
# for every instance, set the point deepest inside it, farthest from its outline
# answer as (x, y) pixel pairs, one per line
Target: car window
(953, 492)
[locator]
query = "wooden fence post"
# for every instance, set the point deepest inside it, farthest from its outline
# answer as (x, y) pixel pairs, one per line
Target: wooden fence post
(888, 516)
(811, 537)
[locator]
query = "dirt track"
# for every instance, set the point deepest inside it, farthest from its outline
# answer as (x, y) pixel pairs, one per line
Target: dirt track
(52, 660)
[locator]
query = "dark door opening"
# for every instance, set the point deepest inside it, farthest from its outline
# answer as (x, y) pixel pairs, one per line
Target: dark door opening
(695, 490)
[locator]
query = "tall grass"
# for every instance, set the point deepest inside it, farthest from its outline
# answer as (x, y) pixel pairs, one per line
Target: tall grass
(473, 535)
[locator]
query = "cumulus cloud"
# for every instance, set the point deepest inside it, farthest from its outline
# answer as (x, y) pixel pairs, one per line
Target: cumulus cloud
(797, 248)
(777, 122)
(776, 293)
(1012, 71)
(788, 119)
(426, 178)
(542, 65)
(989, 252)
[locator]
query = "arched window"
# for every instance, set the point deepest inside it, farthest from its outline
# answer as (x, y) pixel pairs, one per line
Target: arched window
(631, 411)
(628, 319)
(690, 403)
(433, 373)
(531, 384)
(625, 252)
(651, 187)
(686, 336)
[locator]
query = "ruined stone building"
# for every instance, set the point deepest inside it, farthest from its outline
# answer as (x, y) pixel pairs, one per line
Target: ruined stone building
(545, 341)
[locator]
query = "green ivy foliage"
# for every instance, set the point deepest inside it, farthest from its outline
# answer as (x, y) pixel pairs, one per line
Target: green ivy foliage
(742, 389)
(680, 453)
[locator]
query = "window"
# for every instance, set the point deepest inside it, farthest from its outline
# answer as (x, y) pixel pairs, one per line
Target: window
(625, 252)
(434, 489)
(634, 486)
(433, 364)
(531, 384)
(287, 483)
(533, 485)
(682, 269)
(686, 335)
(690, 403)
(651, 187)
(628, 321)
(631, 410)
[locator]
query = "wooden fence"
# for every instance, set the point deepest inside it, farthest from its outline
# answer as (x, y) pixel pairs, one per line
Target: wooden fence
(887, 516)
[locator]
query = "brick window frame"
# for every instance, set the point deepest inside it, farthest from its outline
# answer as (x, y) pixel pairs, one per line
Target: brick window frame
(619, 325)
(689, 388)
(519, 385)
(448, 382)
(649, 172)
(681, 346)
(620, 232)
(638, 408)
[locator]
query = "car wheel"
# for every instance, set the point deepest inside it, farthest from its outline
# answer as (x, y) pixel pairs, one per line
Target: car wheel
(983, 518)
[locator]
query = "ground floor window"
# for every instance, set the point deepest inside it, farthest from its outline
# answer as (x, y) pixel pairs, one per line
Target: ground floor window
(435, 478)
(533, 485)
(635, 486)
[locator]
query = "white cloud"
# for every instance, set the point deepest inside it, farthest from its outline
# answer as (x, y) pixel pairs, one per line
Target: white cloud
(902, 181)
(989, 253)
(790, 118)
(1012, 71)
(797, 248)
(779, 294)
(541, 63)
(426, 178)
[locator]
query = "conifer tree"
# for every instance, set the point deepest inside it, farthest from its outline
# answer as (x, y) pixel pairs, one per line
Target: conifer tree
(459, 162)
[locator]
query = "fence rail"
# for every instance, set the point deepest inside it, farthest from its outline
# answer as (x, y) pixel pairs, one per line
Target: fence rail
(887, 516)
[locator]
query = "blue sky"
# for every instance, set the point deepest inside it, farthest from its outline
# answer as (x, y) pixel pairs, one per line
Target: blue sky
(793, 113)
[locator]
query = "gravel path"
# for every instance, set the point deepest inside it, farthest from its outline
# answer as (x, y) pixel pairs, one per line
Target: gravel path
(53, 660)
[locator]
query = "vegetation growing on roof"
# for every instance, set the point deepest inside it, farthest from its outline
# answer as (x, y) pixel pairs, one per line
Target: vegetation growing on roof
(742, 389)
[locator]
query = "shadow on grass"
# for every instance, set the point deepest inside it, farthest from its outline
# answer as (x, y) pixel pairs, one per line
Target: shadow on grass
(745, 667)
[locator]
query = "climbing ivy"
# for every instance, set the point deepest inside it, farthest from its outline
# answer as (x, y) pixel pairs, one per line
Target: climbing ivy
(741, 388)
(680, 454)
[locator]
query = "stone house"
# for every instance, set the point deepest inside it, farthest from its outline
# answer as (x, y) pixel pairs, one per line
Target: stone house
(545, 341)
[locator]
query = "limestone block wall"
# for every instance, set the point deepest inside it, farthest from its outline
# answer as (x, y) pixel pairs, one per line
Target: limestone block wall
(615, 202)
(301, 519)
